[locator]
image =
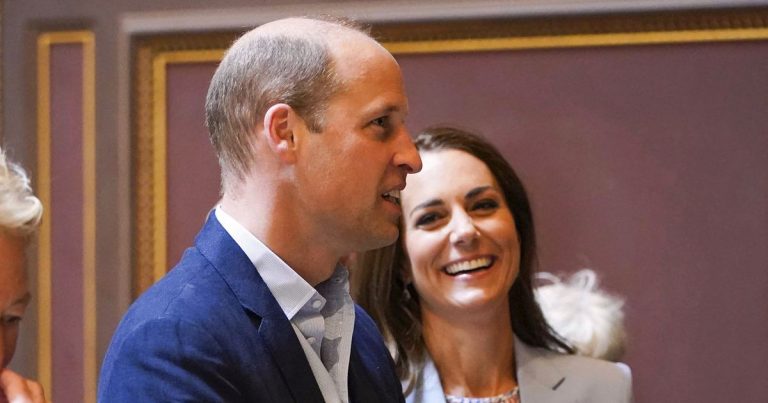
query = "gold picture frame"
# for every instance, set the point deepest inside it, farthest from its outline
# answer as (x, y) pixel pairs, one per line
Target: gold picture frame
(45, 42)
(152, 55)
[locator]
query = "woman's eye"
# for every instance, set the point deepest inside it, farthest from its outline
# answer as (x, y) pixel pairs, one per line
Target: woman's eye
(486, 204)
(426, 219)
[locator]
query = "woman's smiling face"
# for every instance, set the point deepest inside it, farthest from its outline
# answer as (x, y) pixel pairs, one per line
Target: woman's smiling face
(460, 236)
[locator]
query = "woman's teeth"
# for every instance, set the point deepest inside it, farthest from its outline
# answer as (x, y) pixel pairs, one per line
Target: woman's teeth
(468, 265)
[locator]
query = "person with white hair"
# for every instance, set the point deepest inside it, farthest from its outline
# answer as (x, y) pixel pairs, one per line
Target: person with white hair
(20, 213)
(587, 317)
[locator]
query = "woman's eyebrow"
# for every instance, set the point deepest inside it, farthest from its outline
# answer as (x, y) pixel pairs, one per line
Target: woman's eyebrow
(476, 191)
(428, 203)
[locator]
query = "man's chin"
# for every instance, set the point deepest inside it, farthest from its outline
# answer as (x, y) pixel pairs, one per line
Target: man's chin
(382, 237)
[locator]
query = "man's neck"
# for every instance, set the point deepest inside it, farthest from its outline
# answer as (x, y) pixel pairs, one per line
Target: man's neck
(274, 223)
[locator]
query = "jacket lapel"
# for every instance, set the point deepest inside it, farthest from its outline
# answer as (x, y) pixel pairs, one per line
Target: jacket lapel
(538, 377)
(274, 329)
(279, 337)
(364, 365)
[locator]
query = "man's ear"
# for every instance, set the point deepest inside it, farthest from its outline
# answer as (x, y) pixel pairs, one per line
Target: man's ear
(279, 125)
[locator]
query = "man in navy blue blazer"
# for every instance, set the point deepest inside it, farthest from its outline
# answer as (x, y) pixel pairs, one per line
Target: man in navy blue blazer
(307, 119)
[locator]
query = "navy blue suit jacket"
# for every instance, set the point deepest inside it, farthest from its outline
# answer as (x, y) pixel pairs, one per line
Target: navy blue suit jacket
(211, 331)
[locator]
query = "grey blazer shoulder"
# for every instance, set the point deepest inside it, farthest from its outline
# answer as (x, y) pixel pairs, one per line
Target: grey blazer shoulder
(548, 377)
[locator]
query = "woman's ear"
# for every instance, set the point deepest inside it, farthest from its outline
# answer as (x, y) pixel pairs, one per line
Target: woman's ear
(405, 270)
(280, 122)
(409, 289)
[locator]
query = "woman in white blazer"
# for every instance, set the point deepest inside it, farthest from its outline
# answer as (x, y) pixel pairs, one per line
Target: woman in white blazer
(454, 297)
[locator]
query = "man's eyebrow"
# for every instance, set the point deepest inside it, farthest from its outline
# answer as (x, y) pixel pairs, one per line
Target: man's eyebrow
(386, 110)
(23, 299)
(428, 203)
(476, 191)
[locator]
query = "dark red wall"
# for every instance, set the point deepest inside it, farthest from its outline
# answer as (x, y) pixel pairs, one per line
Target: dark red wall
(648, 164)
(66, 215)
(193, 172)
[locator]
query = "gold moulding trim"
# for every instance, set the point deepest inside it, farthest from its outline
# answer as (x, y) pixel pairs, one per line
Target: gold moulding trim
(571, 41)
(151, 140)
(153, 55)
(45, 42)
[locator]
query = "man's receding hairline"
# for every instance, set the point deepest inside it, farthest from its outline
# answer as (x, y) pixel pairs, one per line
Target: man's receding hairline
(333, 34)
(289, 27)
(327, 45)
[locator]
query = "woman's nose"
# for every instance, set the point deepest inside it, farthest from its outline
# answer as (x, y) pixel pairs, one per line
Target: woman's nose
(464, 232)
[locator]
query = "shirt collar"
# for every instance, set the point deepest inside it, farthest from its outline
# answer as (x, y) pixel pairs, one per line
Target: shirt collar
(289, 289)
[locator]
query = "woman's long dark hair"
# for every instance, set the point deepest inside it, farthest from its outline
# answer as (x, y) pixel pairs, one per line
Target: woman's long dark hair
(378, 282)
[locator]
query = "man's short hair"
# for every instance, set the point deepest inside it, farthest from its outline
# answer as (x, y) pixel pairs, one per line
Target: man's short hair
(20, 210)
(263, 69)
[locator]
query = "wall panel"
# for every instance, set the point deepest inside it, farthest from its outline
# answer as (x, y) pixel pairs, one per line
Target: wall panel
(192, 168)
(642, 142)
(66, 274)
(173, 155)
(646, 164)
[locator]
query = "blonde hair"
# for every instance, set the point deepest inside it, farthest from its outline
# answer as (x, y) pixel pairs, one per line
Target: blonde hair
(586, 317)
(20, 210)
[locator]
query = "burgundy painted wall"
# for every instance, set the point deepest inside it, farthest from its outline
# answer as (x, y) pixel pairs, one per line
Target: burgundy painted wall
(663, 194)
(650, 165)
(193, 171)
(645, 163)
(67, 222)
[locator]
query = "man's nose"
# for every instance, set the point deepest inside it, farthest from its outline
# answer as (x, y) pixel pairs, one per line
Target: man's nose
(406, 154)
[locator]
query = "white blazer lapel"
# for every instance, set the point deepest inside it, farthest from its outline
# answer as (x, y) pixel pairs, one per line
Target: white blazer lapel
(538, 377)
(428, 388)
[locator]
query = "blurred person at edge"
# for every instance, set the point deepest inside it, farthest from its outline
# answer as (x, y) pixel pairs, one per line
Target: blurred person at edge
(454, 297)
(20, 213)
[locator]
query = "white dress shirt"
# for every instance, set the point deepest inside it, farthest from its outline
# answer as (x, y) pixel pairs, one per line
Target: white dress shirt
(323, 317)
